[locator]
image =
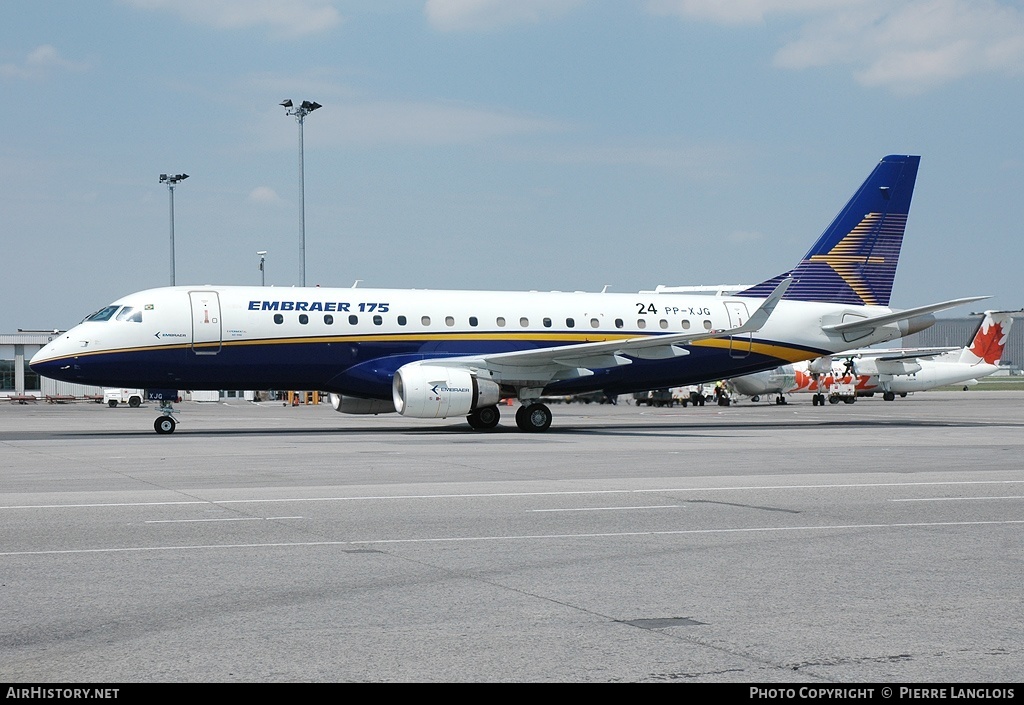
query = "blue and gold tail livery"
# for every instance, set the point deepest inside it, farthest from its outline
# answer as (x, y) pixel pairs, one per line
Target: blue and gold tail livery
(854, 260)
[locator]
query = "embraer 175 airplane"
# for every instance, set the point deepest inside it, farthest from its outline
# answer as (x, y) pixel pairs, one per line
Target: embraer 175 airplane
(890, 372)
(435, 354)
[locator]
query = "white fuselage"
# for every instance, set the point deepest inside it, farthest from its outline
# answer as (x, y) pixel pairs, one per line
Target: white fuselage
(352, 340)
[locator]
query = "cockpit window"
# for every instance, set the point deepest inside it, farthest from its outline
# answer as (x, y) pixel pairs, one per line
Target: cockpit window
(104, 314)
(132, 315)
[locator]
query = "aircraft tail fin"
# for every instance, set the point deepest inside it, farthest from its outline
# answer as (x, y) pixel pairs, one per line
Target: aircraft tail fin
(854, 260)
(989, 340)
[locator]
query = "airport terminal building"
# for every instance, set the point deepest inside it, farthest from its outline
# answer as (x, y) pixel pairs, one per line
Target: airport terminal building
(17, 379)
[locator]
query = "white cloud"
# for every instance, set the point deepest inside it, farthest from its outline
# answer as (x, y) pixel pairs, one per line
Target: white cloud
(905, 47)
(482, 15)
(264, 194)
(292, 18)
(42, 60)
(914, 46)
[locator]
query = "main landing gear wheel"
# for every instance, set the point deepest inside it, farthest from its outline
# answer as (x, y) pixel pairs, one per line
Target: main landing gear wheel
(164, 424)
(485, 418)
(533, 418)
(889, 396)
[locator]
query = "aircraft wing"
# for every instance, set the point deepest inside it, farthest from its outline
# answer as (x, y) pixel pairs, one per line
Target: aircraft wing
(919, 355)
(545, 364)
(894, 354)
(867, 324)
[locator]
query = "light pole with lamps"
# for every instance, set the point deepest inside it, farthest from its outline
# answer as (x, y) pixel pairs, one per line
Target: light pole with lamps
(300, 113)
(172, 180)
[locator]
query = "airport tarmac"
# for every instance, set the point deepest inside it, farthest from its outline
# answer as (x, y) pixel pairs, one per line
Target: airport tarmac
(876, 542)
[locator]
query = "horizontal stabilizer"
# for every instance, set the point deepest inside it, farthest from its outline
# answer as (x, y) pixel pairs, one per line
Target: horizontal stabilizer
(868, 324)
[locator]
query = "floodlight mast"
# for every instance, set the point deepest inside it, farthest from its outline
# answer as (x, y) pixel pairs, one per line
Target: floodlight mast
(263, 258)
(172, 180)
(300, 113)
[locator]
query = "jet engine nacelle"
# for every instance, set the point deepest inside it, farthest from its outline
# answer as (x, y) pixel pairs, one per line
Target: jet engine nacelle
(436, 391)
(359, 405)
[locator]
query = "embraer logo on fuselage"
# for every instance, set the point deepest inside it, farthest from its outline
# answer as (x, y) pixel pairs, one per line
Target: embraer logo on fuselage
(328, 306)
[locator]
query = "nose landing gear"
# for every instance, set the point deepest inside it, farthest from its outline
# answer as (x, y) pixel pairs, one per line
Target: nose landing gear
(165, 423)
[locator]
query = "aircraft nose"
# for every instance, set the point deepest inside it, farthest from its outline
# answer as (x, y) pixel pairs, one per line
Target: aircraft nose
(54, 360)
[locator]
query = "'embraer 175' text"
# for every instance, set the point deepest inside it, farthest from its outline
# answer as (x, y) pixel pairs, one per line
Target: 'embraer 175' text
(326, 306)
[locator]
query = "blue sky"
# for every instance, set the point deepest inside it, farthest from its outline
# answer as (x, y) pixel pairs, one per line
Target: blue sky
(492, 144)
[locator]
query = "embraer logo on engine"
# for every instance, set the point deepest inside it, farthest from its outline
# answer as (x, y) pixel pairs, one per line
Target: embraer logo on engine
(438, 388)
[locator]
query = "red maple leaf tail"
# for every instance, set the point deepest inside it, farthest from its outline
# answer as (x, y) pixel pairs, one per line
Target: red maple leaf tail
(990, 339)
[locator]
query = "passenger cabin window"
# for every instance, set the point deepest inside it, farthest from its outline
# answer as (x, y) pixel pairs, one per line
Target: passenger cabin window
(353, 320)
(686, 324)
(547, 322)
(500, 320)
(524, 322)
(641, 323)
(303, 319)
(619, 323)
(594, 323)
(328, 319)
(449, 321)
(401, 320)
(707, 325)
(378, 320)
(278, 318)
(663, 323)
(425, 320)
(472, 321)
(570, 323)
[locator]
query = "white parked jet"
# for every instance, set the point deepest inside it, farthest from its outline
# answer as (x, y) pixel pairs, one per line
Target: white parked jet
(889, 372)
(435, 354)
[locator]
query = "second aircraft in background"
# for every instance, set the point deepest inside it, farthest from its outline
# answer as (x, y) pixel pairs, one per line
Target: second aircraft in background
(889, 372)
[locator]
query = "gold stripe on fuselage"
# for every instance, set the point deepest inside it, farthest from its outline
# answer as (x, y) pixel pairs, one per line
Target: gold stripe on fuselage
(780, 352)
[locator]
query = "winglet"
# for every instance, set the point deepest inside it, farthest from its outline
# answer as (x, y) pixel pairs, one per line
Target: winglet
(765, 310)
